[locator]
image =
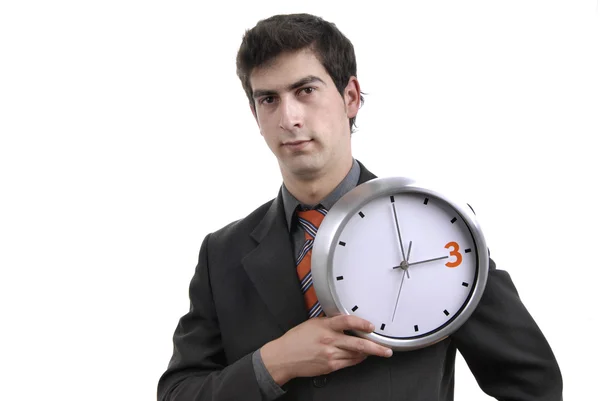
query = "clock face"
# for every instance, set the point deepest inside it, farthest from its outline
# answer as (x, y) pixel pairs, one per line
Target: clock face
(410, 290)
(405, 258)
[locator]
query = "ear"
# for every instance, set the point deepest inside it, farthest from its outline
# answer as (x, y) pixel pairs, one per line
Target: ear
(352, 97)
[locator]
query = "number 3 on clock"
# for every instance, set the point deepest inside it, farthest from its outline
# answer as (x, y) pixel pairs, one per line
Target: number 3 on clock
(455, 253)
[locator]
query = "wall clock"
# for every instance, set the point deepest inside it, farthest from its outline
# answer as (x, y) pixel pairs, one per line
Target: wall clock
(403, 256)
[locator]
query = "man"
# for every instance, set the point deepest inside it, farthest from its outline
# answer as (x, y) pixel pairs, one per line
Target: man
(255, 331)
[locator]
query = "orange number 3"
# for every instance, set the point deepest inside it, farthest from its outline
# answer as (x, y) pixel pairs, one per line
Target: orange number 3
(454, 252)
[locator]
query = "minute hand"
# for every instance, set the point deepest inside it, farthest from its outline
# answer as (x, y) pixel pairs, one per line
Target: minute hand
(398, 230)
(428, 260)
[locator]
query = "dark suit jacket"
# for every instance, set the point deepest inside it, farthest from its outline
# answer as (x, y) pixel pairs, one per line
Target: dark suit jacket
(245, 293)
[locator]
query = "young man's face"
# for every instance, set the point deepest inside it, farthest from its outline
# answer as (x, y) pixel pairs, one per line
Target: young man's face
(302, 116)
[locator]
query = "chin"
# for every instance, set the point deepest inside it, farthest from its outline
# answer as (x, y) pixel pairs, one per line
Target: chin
(304, 167)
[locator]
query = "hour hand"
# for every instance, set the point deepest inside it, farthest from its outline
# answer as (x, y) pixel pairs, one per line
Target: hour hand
(425, 261)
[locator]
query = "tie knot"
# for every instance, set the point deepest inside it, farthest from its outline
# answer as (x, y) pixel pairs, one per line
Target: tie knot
(311, 219)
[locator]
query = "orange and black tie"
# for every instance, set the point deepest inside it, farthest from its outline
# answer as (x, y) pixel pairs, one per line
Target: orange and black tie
(309, 220)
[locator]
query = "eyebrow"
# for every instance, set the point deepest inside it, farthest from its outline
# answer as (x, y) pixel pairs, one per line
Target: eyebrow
(304, 81)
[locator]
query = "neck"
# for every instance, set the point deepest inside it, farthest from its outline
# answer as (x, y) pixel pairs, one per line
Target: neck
(311, 190)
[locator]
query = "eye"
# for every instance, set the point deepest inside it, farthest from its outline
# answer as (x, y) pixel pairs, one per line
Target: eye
(307, 90)
(267, 100)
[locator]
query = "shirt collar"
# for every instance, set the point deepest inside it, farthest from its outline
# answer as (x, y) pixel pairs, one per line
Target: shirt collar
(290, 203)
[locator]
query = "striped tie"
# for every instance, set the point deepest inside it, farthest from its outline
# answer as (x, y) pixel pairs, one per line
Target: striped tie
(309, 220)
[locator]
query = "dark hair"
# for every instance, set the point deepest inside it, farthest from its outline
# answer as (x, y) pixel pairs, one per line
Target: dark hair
(272, 36)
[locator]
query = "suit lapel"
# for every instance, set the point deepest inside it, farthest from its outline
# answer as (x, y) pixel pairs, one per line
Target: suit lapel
(365, 175)
(271, 267)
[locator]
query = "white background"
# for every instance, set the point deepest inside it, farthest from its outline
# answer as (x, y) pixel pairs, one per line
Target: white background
(126, 137)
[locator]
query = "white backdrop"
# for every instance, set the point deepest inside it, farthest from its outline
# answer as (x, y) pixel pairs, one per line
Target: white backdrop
(126, 138)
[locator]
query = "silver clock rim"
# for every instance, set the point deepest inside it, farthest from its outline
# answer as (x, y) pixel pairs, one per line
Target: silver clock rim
(328, 236)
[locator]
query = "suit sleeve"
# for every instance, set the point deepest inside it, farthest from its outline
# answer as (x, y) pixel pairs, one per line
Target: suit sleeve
(198, 369)
(505, 349)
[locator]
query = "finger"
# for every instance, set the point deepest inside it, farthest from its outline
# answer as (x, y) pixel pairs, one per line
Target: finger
(344, 363)
(349, 322)
(335, 353)
(361, 345)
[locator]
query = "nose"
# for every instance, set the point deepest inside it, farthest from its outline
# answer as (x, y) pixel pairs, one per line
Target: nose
(290, 115)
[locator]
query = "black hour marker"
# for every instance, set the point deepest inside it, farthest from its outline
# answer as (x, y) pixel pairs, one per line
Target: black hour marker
(342, 243)
(453, 220)
(355, 308)
(416, 328)
(446, 312)
(467, 250)
(361, 214)
(465, 284)
(340, 278)
(382, 327)
(392, 198)
(426, 200)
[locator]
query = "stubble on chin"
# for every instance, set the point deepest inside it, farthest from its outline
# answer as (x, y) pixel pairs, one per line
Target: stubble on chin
(302, 169)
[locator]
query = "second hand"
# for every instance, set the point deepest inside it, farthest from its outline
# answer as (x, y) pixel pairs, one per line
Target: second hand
(397, 298)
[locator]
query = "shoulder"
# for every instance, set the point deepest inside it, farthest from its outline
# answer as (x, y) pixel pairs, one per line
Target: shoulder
(241, 229)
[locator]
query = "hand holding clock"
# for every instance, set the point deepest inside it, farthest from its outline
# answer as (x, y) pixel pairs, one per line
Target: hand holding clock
(319, 346)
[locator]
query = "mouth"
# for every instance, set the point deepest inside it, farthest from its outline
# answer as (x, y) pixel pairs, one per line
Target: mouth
(296, 145)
